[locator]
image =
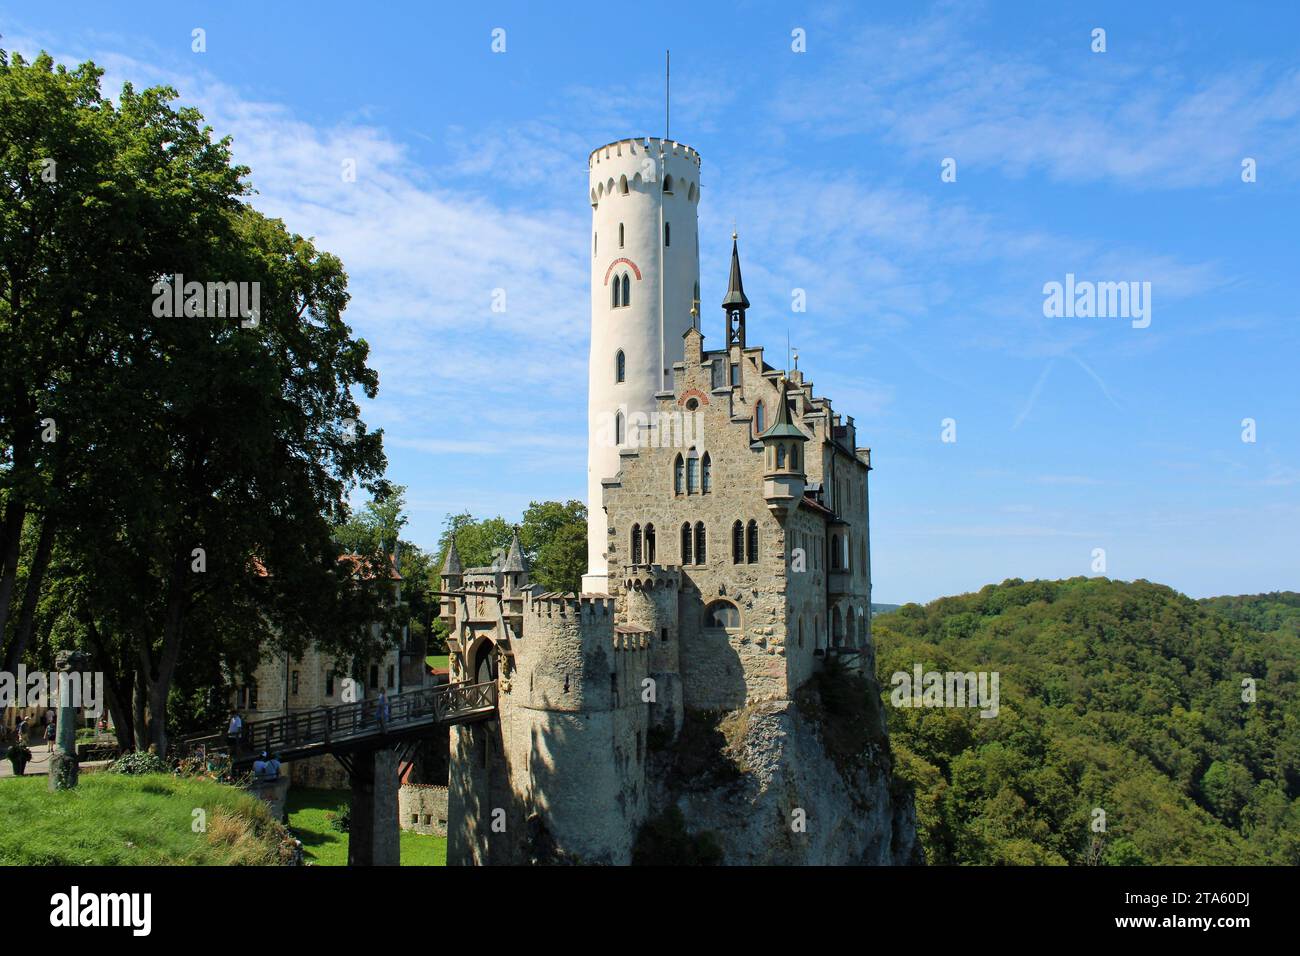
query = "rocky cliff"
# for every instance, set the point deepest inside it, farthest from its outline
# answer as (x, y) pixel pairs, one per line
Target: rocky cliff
(803, 782)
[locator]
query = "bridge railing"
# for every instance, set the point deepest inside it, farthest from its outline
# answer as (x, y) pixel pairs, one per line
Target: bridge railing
(327, 725)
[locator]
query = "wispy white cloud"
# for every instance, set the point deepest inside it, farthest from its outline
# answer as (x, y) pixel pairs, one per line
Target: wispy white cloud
(939, 88)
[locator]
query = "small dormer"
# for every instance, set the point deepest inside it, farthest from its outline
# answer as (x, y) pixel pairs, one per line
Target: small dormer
(783, 457)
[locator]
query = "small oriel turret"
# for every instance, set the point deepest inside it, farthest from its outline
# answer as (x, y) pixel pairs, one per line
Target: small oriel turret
(783, 472)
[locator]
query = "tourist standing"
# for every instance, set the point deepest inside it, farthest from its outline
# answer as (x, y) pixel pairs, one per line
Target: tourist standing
(233, 732)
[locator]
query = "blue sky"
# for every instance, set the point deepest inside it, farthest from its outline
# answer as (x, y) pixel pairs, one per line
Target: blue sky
(925, 298)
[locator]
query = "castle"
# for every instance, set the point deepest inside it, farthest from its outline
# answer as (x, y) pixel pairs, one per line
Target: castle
(728, 549)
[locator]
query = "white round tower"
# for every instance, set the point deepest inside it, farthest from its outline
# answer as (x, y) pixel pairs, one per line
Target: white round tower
(645, 277)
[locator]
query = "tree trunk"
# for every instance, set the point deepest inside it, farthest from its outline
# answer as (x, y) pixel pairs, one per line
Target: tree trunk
(160, 678)
(31, 595)
(158, 717)
(121, 714)
(138, 726)
(118, 684)
(15, 511)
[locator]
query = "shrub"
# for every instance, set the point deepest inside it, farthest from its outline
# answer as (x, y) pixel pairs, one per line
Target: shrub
(139, 762)
(341, 821)
(665, 841)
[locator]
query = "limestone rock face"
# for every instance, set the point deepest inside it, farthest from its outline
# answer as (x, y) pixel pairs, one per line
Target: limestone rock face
(853, 811)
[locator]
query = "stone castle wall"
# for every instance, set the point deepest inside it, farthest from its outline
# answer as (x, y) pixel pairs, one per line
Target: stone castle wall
(563, 765)
(422, 808)
(719, 669)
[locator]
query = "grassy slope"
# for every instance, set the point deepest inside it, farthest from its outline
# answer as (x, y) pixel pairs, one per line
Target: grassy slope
(132, 821)
(308, 808)
(437, 660)
(1120, 696)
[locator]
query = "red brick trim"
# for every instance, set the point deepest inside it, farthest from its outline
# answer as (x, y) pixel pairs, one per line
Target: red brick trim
(635, 271)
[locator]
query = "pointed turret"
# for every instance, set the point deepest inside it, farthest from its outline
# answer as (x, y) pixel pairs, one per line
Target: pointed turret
(735, 302)
(515, 562)
(452, 580)
(451, 567)
(514, 566)
(783, 478)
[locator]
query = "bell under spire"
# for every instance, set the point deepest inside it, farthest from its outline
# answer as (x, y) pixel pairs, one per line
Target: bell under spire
(735, 302)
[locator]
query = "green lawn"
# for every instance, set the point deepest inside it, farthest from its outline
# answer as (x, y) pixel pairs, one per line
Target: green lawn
(149, 820)
(437, 660)
(325, 846)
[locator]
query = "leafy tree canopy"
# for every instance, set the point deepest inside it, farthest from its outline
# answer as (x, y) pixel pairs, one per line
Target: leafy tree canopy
(1178, 720)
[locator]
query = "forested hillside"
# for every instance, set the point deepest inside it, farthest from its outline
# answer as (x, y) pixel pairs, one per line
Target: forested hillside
(1120, 697)
(1276, 612)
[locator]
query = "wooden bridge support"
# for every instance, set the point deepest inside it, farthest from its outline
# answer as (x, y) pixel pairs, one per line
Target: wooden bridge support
(374, 838)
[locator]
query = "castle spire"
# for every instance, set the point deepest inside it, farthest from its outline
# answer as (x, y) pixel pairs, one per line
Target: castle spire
(515, 560)
(736, 302)
(451, 566)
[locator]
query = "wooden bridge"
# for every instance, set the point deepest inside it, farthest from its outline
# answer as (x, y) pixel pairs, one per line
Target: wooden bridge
(348, 728)
(372, 746)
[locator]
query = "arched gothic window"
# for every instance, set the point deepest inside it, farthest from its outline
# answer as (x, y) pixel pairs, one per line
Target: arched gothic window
(687, 540)
(622, 185)
(780, 456)
(835, 552)
(620, 367)
(760, 418)
(668, 184)
(649, 544)
(751, 543)
(722, 614)
(737, 543)
(618, 428)
(679, 475)
(700, 552)
(614, 297)
(627, 290)
(636, 544)
(706, 474)
(794, 457)
(692, 475)
(620, 235)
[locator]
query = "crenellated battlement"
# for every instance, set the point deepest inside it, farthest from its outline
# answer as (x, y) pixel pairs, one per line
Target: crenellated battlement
(586, 608)
(641, 577)
(640, 146)
(629, 637)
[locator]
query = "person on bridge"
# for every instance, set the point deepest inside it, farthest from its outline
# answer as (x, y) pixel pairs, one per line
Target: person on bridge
(233, 732)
